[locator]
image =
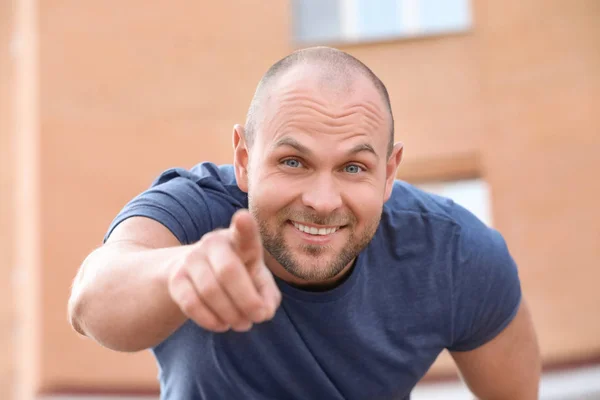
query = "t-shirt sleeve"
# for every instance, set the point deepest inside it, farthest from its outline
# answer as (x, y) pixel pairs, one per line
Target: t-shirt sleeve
(486, 290)
(181, 202)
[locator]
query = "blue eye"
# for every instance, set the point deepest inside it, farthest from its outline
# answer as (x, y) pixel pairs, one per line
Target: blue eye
(292, 163)
(353, 169)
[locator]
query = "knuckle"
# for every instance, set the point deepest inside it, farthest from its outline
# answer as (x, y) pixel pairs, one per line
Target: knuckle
(215, 326)
(252, 306)
(188, 259)
(235, 318)
(209, 322)
(188, 303)
(242, 325)
(178, 275)
(181, 266)
(211, 238)
(206, 240)
(227, 270)
(208, 290)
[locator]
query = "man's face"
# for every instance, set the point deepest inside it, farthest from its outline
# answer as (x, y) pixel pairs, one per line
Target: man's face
(318, 174)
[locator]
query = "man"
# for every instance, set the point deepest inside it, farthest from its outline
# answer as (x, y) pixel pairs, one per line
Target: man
(339, 282)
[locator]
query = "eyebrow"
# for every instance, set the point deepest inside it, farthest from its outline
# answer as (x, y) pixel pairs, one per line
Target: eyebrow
(291, 142)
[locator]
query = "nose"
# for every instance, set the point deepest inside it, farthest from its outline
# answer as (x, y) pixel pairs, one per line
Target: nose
(322, 194)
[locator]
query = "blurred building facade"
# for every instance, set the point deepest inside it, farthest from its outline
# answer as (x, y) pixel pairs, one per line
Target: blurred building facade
(97, 98)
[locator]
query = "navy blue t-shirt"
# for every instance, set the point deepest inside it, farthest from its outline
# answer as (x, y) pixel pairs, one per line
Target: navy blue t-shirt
(434, 277)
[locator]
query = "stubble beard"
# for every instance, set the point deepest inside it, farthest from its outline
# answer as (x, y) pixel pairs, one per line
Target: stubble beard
(321, 270)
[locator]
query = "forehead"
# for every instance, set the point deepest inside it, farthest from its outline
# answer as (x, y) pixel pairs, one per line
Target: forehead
(324, 100)
(334, 86)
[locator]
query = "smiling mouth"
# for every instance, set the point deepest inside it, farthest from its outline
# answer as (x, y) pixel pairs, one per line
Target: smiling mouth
(313, 230)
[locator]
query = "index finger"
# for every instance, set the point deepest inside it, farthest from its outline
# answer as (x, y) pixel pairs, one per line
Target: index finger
(246, 238)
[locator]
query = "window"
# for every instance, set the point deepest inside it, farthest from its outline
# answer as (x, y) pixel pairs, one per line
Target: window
(322, 21)
(472, 194)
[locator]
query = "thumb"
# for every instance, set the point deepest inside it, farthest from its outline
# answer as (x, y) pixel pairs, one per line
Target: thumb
(245, 238)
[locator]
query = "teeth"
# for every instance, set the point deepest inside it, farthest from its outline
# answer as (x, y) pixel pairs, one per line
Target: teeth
(314, 231)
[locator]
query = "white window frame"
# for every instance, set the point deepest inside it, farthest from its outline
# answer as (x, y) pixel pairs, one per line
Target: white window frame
(409, 19)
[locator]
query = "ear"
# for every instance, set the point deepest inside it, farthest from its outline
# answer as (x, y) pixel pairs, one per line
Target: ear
(240, 157)
(391, 169)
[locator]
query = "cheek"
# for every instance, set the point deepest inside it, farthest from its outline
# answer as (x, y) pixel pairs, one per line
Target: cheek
(270, 195)
(365, 204)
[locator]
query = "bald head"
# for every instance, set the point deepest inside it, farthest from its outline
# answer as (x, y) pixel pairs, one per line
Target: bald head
(337, 72)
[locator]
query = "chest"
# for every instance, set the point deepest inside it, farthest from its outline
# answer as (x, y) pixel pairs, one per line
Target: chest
(342, 350)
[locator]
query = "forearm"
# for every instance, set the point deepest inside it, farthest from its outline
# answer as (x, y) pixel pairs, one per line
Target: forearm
(120, 297)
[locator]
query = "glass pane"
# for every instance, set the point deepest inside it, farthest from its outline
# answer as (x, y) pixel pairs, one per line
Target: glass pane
(316, 20)
(472, 194)
(443, 16)
(332, 21)
(378, 19)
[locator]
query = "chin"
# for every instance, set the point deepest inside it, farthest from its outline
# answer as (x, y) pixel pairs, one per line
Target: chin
(313, 269)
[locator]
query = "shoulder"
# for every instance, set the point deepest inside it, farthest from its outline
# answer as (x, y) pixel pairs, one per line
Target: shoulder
(204, 174)
(456, 263)
(412, 209)
(407, 198)
(413, 215)
(417, 237)
(188, 202)
(435, 232)
(216, 182)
